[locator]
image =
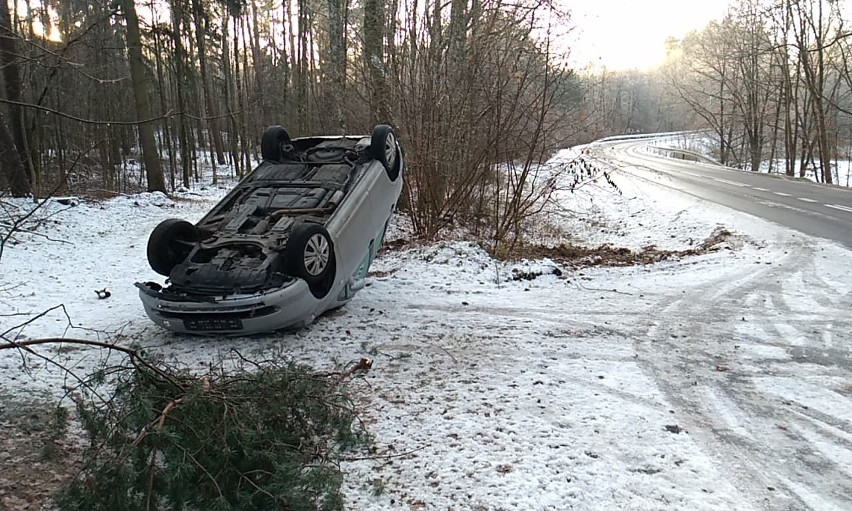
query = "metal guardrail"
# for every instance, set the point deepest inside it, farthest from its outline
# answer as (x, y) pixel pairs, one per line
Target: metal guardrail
(682, 154)
(641, 136)
(670, 152)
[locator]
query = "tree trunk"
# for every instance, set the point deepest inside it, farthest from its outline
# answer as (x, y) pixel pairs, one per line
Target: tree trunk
(233, 133)
(180, 85)
(247, 119)
(291, 34)
(156, 181)
(374, 22)
(337, 61)
(19, 175)
(201, 26)
(167, 135)
(11, 168)
(241, 106)
(301, 69)
(259, 70)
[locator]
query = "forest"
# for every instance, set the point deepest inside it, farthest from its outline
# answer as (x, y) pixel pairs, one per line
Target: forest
(118, 96)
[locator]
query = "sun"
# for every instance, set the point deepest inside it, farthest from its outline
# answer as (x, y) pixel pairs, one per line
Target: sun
(51, 32)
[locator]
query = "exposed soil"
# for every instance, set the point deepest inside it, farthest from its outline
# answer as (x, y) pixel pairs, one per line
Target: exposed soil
(36, 454)
(578, 256)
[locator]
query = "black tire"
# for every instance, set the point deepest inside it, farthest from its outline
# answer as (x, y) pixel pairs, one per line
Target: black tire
(169, 244)
(273, 142)
(384, 147)
(310, 257)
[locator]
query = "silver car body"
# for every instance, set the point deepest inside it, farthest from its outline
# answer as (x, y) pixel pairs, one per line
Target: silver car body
(356, 227)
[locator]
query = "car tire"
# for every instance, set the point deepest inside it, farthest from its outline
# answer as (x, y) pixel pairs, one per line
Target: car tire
(310, 257)
(273, 142)
(385, 149)
(169, 244)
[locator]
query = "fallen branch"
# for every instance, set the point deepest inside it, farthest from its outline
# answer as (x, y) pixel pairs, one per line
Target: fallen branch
(132, 354)
(382, 456)
(363, 365)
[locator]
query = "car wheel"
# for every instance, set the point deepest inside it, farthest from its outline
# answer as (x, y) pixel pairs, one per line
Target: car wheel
(384, 147)
(311, 257)
(273, 143)
(169, 244)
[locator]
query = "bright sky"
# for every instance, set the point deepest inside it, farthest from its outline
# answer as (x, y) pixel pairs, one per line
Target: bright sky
(626, 34)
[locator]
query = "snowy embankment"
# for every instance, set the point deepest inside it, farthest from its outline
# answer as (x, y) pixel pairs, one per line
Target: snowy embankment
(709, 382)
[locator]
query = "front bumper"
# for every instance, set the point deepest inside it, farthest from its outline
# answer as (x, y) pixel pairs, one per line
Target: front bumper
(291, 306)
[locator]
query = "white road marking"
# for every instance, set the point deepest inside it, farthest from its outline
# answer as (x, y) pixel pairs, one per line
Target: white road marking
(782, 194)
(806, 199)
(693, 174)
(841, 208)
(730, 182)
(761, 189)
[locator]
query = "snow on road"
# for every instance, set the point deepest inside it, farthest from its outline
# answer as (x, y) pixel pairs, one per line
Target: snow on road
(713, 382)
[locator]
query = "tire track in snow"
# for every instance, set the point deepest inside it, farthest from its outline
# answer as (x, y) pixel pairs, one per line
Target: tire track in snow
(733, 390)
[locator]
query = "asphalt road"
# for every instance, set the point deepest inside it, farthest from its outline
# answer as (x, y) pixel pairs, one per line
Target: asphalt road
(745, 359)
(811, 208)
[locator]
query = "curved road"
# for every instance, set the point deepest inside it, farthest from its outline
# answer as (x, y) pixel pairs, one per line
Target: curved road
(757, 363)
(811, 208)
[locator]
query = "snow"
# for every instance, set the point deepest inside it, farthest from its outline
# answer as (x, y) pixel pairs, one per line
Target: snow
(493, 393)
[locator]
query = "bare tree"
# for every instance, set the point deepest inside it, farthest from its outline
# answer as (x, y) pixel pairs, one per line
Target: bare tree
(771, 70)
(18, 170)
(11, 169)
(336, 61)
(201, 29)
(150, 154)
(754, 94)
(704, 78)
(815, 25)
(374, 23)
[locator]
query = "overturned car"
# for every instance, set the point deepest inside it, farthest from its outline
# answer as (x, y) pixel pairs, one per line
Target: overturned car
(292, 240)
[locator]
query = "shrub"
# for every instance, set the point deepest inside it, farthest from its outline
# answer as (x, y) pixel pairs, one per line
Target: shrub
(261, 439)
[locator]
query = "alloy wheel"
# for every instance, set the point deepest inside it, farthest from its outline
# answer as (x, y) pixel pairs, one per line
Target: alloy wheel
(316, 254)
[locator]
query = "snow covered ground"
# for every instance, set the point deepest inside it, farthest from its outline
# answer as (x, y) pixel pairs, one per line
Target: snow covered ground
(719, 382)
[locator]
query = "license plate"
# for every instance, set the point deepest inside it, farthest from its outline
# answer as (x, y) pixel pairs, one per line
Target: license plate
(213, 324)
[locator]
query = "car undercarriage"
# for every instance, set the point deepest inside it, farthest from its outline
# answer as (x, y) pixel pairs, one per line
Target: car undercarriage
(271, 231)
